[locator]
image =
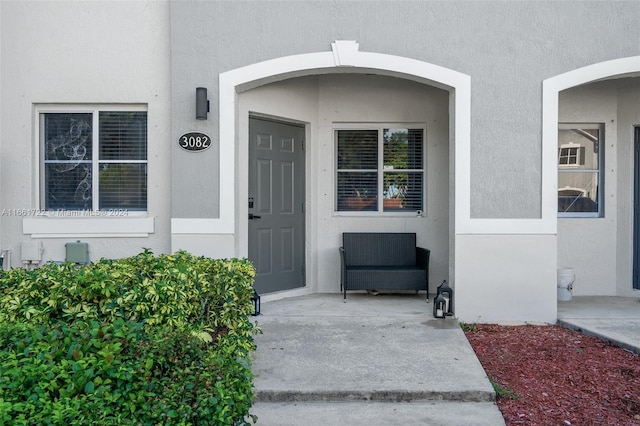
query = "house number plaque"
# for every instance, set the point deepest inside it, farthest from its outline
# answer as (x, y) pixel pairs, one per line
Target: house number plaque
(194, 141)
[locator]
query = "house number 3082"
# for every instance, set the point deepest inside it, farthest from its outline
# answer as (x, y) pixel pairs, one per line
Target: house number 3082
(194, 141)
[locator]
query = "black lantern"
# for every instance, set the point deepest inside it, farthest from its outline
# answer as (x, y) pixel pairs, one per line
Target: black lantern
(447, 295)
(256, 303)
(439, 307)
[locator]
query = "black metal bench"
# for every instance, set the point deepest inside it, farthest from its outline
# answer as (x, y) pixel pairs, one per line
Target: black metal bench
(383, 261)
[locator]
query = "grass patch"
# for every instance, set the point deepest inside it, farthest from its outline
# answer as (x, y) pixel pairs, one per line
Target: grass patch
(502, 392)
(466, 326)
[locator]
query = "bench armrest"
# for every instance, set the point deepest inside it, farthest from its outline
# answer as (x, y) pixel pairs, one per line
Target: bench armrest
(422, 257)
(343, 266)
(422, 260)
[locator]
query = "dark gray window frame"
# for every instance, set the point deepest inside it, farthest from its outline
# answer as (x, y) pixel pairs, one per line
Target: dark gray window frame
(574, 168)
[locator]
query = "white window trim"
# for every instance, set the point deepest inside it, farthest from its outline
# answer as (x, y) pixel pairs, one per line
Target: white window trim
(570, 145)
(72, 224)
(380, 126)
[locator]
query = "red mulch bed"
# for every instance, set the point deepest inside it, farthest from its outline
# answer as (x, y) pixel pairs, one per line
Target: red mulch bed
(549, 375)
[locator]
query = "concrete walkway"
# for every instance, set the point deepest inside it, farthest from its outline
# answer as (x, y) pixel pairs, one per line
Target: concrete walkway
(375, 360)
(614, 319)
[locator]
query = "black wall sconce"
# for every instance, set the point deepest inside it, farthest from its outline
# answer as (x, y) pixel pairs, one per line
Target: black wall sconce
(202, 103)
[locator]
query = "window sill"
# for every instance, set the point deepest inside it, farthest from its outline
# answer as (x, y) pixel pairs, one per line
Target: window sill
(87, 227)
(378, 214)
(580, 216)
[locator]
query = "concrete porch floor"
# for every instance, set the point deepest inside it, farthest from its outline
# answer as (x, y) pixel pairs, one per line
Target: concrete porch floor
(614, 319)
(375, 360)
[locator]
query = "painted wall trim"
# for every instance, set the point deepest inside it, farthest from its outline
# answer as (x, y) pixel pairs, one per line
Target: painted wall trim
(84, 236)
(505, 227)
(199, 226)
(44, 227)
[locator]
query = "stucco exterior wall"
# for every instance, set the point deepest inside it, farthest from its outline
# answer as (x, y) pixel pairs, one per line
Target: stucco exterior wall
(104, 53)
(506, 66)
(505, 278)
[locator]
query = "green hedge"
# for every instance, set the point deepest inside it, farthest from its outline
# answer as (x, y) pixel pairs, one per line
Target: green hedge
(143, 340)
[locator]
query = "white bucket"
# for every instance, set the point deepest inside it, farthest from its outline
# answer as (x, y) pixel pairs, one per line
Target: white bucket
(566, 278)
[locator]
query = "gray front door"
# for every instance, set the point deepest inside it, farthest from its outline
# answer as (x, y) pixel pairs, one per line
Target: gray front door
(276, 204)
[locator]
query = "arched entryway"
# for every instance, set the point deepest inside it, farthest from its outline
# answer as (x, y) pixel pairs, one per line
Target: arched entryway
(344, 62)
(595, 107)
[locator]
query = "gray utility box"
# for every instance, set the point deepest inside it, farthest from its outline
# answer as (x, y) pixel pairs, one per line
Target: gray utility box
(77, 252)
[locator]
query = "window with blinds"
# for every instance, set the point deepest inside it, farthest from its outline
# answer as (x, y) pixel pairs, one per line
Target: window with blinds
(94, 160)
(380, 170)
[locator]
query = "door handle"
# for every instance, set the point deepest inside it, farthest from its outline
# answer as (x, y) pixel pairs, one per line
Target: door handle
(253, 216)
